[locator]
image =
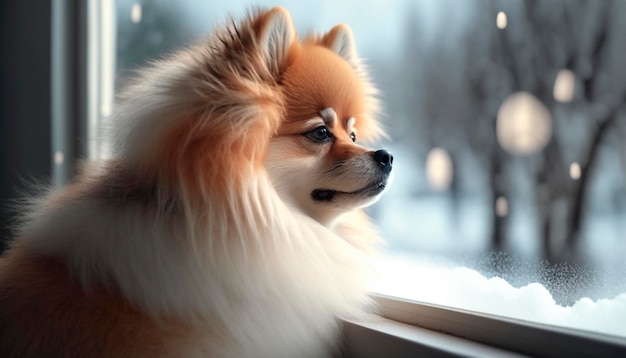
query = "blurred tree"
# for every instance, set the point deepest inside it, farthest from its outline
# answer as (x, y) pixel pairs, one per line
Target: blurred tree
(585, 38)
(458, 92)
(429, 84)
(486, 84)
(597, 59)
(541, 39)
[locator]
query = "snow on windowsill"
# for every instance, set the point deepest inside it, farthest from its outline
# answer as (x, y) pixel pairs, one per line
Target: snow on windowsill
(461, 287)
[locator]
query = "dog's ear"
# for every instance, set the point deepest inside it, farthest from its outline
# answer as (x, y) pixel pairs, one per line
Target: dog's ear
(276, 36)
(340, 41)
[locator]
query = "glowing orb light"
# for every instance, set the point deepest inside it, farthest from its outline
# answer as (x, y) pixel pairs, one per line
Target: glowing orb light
(523, 125)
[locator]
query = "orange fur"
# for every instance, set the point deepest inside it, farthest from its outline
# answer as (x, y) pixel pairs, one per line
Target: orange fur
(317, 79)
(38, 296)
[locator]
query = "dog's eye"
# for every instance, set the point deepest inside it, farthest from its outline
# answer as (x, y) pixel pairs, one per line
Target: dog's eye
(353, 136)
(319, 134)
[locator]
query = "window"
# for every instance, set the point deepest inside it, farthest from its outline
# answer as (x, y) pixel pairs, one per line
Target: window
(516, 180)
(507, 121)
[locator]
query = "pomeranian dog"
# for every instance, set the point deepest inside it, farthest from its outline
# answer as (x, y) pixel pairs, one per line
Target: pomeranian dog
(228, 221)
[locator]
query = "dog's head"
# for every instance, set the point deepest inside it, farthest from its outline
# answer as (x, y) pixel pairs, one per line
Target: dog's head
(316, 160)
(256, 94)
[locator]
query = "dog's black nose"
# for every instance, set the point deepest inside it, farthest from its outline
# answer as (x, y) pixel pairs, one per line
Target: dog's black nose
(385, 159)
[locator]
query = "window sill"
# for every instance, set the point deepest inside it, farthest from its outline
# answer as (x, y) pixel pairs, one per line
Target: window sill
(387, 338)
(409, 329)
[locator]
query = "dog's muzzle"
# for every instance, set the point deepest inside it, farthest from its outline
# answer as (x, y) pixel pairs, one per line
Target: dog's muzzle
(384, 161)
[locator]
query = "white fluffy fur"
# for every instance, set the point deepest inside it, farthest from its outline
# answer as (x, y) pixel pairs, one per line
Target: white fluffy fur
(279, 294)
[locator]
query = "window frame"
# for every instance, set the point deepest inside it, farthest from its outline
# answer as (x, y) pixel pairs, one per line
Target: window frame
(469, 332)
(82, 62)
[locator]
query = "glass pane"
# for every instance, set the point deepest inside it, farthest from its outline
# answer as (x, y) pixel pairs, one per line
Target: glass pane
(506, 122)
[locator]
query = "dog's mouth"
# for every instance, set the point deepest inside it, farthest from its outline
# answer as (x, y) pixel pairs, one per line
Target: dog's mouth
(372, 189)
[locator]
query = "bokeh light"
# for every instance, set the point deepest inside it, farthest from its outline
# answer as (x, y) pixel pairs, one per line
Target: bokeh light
(524, 124)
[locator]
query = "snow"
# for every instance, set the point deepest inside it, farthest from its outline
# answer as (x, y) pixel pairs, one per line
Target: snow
(445, 284)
